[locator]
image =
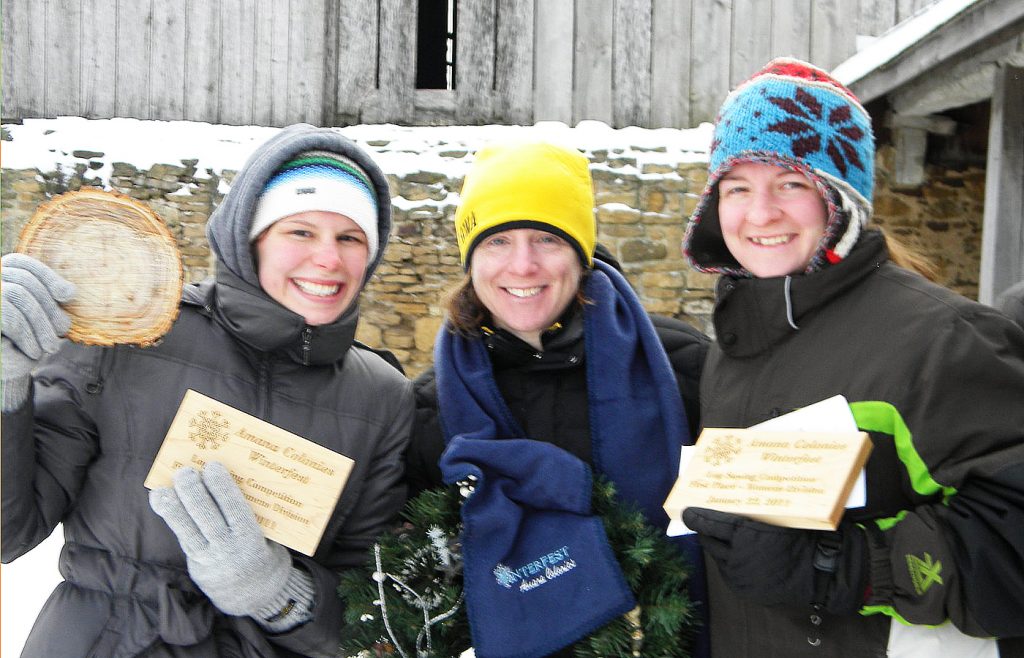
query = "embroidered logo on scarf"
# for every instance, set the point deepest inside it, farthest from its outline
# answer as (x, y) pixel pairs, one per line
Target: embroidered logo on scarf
(536, 572)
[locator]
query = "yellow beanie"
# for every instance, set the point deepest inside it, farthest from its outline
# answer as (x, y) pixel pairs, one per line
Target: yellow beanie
(531, 185)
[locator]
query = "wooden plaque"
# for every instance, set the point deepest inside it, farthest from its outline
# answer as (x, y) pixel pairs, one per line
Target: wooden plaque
(792, 479)
(292, 483)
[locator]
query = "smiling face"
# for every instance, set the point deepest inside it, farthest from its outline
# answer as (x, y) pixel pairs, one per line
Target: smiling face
(313, 264)
(526, 278)
(772, 218)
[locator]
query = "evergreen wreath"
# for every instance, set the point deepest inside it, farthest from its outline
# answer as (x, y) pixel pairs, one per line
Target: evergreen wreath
(407, 600)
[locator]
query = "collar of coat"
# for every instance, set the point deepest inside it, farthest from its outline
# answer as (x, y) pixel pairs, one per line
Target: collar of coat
(252, 317)
(753, 314)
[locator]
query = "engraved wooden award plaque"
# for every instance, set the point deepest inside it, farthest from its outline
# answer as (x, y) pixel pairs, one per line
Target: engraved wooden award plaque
(792, 479)
(292, 483)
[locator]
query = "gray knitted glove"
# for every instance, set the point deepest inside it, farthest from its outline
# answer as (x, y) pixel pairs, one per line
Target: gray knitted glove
(33, 321)
(228, 557)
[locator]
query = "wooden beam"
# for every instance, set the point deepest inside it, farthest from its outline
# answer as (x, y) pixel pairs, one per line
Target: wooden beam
(977, 28)
(961, 83)
(1002, 238)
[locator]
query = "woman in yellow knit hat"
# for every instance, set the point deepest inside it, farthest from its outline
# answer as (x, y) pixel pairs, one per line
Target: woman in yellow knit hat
(547, 368)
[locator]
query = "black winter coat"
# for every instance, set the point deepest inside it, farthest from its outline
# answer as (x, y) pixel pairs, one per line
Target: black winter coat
(951, 490)
(81, 454)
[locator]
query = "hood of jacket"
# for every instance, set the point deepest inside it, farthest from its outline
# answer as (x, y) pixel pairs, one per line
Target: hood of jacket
(228, 228)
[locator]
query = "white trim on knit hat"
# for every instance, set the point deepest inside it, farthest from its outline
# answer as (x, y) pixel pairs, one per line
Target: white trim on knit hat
(328, 183)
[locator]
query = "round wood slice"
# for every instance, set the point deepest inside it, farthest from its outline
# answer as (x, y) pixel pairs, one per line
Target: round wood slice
(120, 256)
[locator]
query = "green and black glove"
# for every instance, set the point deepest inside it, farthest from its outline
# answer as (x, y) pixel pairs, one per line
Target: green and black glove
(773, 565)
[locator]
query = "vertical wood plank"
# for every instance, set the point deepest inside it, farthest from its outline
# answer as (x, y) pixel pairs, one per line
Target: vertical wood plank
(265, 55)
(13, 56)
(592, 79)
(63, 47)
(474, 62)
(1002, 236)
(133, 57)
(357, 59)
(553, 62)
(709, 58)
(238, 30)
(752, 42)
(875, 16)
(329, 70)
(306, 55)
(202, 60)
(396, 77)
(24, 32)
(513, 66)
(631, 63)
(167, 67)
(791, 28)
(99, 54)
(832, 39)
(670, 64)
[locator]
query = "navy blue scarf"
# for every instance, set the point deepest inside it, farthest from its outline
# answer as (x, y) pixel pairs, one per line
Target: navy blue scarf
(539, 573)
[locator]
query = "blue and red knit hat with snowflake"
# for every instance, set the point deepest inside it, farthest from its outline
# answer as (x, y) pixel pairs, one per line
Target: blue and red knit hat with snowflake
(794, 115)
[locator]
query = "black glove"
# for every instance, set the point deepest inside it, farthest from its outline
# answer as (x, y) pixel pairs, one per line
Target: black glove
(773, 565)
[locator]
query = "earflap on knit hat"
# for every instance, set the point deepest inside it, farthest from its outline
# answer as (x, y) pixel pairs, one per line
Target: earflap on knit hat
(319, 180)
(795, 115)
(527, 185)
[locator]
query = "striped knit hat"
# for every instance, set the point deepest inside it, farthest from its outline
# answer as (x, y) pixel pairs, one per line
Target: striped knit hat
(319, 180)
(793, 115)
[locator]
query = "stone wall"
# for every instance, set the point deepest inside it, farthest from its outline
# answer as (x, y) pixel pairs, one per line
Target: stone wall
(640, 207)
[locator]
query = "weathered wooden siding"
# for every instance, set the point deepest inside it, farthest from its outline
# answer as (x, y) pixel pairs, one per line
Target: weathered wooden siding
(649, 63)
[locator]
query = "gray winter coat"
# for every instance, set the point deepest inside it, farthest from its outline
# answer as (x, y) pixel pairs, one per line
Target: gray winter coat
(80, 450)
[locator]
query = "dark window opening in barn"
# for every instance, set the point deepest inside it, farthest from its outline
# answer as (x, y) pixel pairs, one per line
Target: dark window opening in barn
(435, 44)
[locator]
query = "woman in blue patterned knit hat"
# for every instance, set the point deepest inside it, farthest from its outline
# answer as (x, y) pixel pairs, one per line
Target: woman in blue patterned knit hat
(186, 570)
(810, 304)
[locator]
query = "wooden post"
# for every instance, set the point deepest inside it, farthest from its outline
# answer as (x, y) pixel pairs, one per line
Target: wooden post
(911, 137)
(1002, 238)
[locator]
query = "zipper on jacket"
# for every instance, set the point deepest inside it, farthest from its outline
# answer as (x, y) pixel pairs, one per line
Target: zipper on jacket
(263, 386)
(307, 339)
(95, 387)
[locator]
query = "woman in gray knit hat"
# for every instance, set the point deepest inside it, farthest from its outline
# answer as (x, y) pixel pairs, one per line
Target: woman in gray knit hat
(297, 237)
